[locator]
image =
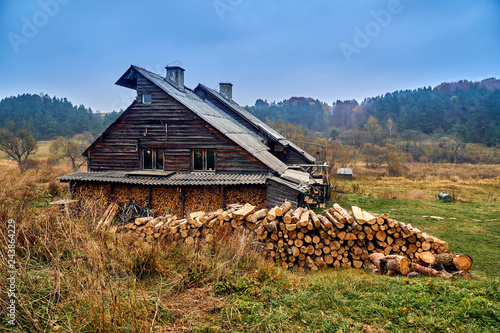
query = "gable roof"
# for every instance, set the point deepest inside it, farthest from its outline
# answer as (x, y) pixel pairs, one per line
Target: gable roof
(256, 122)
(213, 117)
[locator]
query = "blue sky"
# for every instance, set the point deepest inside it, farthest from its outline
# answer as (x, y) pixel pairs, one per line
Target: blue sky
(325, 49)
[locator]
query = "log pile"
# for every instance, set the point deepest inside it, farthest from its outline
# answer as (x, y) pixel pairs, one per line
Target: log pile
(165, 199)
(122, 193)
(444, 265)
(202, 198)
(255, 194)
(91, 192)
(303, 240)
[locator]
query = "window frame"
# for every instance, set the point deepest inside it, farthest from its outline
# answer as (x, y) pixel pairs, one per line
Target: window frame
(143, 98)
(204, 160)
(154, 159)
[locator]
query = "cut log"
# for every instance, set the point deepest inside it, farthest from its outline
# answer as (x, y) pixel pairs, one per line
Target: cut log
(394, 263)
(244, 211)
(429, 271)
(271, 214)
(285, 207)
(259, 215)
(370, 219)
(343, 212)
(381, 235)
(315, 219)
(358, 215)
(304, 219)
(426, 259)
(375, 259)
(462, 262)
(296, 214)
(462, 274)
(337, 223)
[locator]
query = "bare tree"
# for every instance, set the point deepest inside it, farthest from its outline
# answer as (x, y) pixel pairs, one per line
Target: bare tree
(18, 145)
(71, 148)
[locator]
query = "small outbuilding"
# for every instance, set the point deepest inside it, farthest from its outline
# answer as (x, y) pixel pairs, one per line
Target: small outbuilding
(344, 172)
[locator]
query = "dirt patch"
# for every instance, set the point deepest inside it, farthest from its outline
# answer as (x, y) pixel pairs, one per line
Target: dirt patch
(191, 308)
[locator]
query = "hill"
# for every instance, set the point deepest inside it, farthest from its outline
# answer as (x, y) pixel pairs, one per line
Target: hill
(50, 117)
(468, 111)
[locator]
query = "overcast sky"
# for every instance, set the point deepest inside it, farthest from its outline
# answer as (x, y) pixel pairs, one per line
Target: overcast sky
(325, 49)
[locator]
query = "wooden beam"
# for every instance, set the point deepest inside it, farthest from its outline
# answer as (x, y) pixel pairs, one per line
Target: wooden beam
(183, 200)
(222, 192)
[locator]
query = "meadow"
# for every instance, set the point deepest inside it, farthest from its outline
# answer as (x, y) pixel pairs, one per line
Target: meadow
(71, 278)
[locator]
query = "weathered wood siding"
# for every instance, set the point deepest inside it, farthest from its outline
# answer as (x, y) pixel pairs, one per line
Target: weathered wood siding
(143, 126)
(277, 194)
(293, 157)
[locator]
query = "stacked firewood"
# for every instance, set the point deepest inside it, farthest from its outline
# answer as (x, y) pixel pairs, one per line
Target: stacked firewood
(255, 194)
(91, 192)
(123, 193)
(165, 199)
(303, 240)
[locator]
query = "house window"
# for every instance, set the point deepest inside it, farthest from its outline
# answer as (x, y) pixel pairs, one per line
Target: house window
(204, 159)
(146, 98)
(153, 159)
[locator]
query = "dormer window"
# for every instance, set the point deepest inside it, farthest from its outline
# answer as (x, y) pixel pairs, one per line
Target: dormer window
(146, 98)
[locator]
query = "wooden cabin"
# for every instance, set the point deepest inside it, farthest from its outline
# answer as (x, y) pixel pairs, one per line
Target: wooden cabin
(182, 150)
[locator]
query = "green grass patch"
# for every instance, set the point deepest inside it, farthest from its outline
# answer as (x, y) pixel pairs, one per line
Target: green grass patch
(472, 227)
(357, 301)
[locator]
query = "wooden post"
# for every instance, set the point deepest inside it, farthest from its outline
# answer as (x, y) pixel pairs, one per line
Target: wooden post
(222, 193)
(183, 200)
(300, 200)
(149, 197)
(72, 189)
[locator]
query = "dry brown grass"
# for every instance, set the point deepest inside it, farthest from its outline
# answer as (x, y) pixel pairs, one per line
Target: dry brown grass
(71, 278)
(424, 181)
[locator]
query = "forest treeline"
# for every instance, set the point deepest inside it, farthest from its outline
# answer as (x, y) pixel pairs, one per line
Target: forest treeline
(455, 122)
(465, 111)
(51, 117)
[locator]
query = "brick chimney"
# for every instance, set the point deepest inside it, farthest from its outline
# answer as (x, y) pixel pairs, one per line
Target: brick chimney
(175, 75)
(226, 89)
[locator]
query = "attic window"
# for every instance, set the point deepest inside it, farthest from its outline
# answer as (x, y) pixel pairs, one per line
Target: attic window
(146, 98)
(204, 159)
(152, 159)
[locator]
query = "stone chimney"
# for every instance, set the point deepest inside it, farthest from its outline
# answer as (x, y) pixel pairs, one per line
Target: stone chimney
(226, 89)
(175, 75)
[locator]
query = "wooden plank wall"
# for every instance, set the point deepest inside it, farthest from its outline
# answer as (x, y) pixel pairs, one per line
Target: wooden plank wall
(143, 126)
(277, 194)
(293, 157)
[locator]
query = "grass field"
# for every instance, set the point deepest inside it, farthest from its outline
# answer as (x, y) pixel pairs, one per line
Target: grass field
(74, 279)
